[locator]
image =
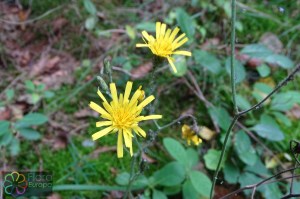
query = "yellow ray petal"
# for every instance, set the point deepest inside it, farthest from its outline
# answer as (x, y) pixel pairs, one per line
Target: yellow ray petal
(167, 35)
(100, 110)
(172, 64)
(177, 45)
(113, 91)
(158, 24)
(127, 90)
(173, 34)
(182, 52)
(141, 45)
(101, 96)
(140, 131)
(102, 133)
(146, 35)
(146, 102)
(120, 145)
(127, 138)
(152, 117)
(162, 30)
(103, 123)
(179, 38)
(135, 97)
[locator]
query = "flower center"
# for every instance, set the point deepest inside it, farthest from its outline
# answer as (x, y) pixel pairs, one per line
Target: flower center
(123, 117)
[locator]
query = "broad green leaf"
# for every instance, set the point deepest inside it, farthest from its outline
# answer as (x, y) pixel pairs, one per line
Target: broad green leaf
(180, 64)
(261, 90)
(122, 178)
(268, 128)
(90, 7)
(192, 157)
(207, 61)
(283, 119)
(6, 138)
(31, 119)
(247, 178)
(29, 134)
(10, 93)
(242, 102)
(171, 174)
(256, 51)
(244, 149)
(29, 85)
(271, 191)
(185, 22)
(90, 23)
(130, 31)
(4, 127)
(221, 116)
(148, 26)
(14, 147)
(285, 101)
(239, 68)
(176, 150)
(172, 190)
(211, 159)
(259, 168)
(280, 60)
(201, 183)
(188, 190)
(263, 70)
(158, 195)
(231, 173)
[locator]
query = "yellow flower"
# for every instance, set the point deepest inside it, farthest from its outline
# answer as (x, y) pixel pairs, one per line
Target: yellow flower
(165, 44)
(122, 116)
(190, 135)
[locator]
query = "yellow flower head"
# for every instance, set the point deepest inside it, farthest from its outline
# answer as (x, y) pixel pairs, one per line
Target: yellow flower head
(190, 135)
(165, 44)
(122, 116)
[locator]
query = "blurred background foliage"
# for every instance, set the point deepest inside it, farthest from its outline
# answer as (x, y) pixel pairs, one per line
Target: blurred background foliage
(51, 51)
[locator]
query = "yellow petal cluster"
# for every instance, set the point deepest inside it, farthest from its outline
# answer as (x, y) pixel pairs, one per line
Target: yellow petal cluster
(122, 116)
(190, 136)
(165, 43)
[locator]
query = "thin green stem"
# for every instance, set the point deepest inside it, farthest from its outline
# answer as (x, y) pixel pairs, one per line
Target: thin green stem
(222, 155)
(232, 56)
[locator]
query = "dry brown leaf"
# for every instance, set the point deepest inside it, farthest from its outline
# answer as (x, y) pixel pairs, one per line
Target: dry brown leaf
(210, 43)
(59, 23)
(54, 196)
(294, 113)
(86, 112)
(5, 113)
(114, 195)
(147, 158)
(272, 42)
(142, 70)
(95, 154)
(206, 133)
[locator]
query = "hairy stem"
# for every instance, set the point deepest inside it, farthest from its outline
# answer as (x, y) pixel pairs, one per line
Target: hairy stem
(232, 56)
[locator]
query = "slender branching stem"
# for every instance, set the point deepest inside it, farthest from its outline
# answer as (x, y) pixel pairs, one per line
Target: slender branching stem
(232, 55)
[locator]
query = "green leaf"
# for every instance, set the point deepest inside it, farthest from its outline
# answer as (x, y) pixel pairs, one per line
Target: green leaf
(269, 132)
(31, 119)
(188, 190)
(201, 183)
(281, 118)
(242, 102)
(192, 157)
(185, 22)
(172, 190)
(239, 68)
(130, 31)
(34, 98)
(14, 147)
(4, 127)
(122, 178)
(10, 93)
(244, 149)
(221, 116)
(285, 101)
(247, 178)
(256, 51)
(208, 61)
(176, 150)
(211, 159)
(29, 85)
(29, 134)
(90, 7)
(261, 90)
(180, 64)
(148, 26)
(231, 173)
(158, 195)
(280, 60)
(259, 168)
(6, 138)
(171, 174)
(272, 191)
(90, 23)
(263, 70)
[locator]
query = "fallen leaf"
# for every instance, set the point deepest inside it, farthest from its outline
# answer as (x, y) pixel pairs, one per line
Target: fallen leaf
(206, 133)
(294, 113)
(86, 112)
(59, 23)
(95, 154)
(142, 70)
(54, 196)
(272, 42)
(210, 43)
(5, 113)
(147, 158)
